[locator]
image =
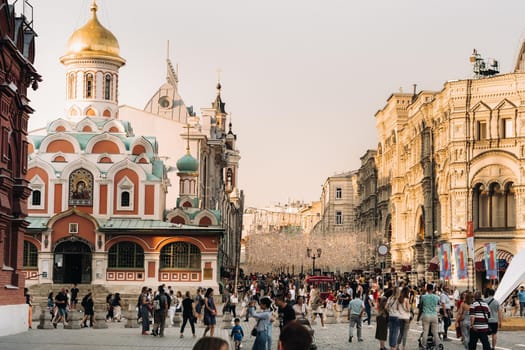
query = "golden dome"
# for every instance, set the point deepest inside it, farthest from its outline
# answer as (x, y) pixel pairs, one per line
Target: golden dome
(92, 40)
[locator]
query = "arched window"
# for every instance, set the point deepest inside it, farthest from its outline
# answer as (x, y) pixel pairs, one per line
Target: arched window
(124, 199)
(180, 255)
(36, 198)
(126, 255)
(107, 87)
(494, 207)
(30, 255)
(71, 85)
(89, 85)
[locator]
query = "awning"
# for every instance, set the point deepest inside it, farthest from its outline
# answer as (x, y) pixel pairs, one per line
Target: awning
(433, 264)
(500, 254)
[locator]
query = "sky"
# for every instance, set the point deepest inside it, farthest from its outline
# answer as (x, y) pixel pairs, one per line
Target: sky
(302, 79)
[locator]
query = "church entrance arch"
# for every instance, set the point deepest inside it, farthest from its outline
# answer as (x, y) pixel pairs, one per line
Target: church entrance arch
(72, 262)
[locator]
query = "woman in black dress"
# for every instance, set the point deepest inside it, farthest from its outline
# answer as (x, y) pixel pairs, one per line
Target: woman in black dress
(382, 323)
(188, 314)
(209, 312)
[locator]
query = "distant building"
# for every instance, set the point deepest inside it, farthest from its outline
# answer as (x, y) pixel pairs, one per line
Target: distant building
(17, 48)
(338, 203)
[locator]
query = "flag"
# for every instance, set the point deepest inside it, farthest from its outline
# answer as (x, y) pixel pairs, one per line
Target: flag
(491, 265)
(460, 253)
(444, 261)
(470, 239)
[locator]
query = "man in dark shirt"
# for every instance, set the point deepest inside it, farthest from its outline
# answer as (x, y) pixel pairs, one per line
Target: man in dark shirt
(61, 303)
(74, 296)
(286, 311)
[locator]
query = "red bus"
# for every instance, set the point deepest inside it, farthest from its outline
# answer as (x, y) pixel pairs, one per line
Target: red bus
(323, 283)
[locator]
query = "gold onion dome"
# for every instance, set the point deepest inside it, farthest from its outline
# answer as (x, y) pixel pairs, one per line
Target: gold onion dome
(92, 40)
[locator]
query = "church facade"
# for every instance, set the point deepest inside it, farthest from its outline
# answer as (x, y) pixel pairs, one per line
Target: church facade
(98, 208)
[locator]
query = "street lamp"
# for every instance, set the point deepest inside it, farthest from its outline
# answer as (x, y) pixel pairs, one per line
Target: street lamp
(310, 253)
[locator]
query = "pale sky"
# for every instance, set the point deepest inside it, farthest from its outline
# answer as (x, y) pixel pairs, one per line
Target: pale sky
(302, 78)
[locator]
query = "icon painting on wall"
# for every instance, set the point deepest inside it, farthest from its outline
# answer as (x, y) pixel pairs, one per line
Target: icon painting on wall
(81, 188)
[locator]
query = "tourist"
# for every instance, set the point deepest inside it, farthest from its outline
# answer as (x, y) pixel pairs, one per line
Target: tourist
(210, 312)
(356, 308)
(381, 323)
(74, 296)
(61, 303)
(160, 307)
(394, 312)
(29, 302)
(479, 323)
(368, 300)
(263, 321)
(521, 298)
(404, 316)
(116, 303)
(143, 305)
(188, 314)
(428, 308)
(211, 343)
(172, 301)
(286, 311)
(496, 316)
(51, 305)
(109, 307)
(446, 311)
(234, 300)
(294, 336)
(316, 305)
(463, 318)
(89, 312)
(300, 308)
(237, 333)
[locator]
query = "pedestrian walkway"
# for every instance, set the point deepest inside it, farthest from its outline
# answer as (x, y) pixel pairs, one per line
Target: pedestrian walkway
(334, 337)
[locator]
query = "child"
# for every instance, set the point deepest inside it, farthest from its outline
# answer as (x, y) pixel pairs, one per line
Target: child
(237, 334)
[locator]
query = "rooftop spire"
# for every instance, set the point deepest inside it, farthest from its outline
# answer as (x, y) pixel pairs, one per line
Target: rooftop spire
(172, 75)
(187, 126)
(94, 8)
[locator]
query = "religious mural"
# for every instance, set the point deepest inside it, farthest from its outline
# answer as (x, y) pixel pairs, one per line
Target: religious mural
(81, 188)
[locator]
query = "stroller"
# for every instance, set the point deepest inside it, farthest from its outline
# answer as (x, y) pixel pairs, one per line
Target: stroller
(429, 344)
(306, 324)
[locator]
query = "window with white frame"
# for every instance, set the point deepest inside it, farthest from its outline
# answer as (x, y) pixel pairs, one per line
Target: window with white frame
(338, 217)
(338, 193)
(36, 201)
(125, 194)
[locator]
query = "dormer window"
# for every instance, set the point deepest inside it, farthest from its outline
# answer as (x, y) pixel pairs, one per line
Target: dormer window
(36, 200)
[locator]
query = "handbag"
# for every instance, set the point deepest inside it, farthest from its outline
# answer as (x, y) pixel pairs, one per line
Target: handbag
(254, 332)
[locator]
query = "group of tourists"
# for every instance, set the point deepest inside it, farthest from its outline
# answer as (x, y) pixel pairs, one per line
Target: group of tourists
(65, 301)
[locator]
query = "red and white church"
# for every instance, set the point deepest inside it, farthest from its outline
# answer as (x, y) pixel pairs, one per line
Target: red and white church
(98, 212)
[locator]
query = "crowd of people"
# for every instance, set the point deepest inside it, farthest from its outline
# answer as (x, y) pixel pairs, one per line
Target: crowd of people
(289, 301)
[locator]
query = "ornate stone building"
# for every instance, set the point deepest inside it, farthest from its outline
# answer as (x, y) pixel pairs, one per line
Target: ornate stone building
(455, 156)
(98, 210)
(17, 54)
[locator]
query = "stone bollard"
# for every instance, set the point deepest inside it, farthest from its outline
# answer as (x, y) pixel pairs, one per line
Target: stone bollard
(73, 319)
(100, 316)
(177, 319)
(45, 322)
(131, 317)
(227, 321)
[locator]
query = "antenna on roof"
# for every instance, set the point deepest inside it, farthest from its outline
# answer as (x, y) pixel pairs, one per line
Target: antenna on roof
(481, 67)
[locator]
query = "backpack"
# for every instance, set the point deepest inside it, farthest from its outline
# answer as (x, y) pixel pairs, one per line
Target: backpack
(84, 302)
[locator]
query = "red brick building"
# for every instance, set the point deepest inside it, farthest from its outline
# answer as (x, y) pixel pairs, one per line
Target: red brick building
(17, 52)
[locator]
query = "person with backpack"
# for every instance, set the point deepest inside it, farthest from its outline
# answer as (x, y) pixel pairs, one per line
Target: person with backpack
(89, 312)
(479, 323)
(496, 316)
(160, 307)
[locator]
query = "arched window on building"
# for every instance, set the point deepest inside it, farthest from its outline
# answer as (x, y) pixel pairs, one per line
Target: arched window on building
(30, 255)
(71, 86)
(107, 87)
(126, 255)
(89, 86)
(495, 206)
(124, 199)
(36, 198)
(180, 255)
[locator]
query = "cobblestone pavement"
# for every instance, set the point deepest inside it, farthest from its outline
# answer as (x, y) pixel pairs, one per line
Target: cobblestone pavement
(334, 337)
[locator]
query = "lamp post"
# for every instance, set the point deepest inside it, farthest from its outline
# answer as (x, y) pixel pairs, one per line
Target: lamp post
(310, 253)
